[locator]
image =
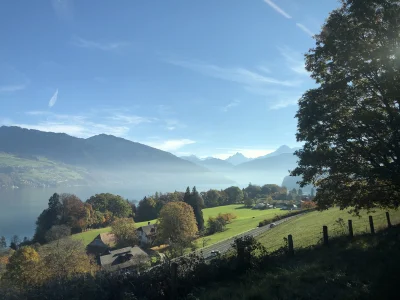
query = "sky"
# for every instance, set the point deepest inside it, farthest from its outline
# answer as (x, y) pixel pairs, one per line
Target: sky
(202, 77)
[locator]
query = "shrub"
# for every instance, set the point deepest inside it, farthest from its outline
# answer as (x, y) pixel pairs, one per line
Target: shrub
(218, 223)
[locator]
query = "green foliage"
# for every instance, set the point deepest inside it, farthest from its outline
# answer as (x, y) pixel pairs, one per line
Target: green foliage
(350, 121)
(115, 204)
(248, 202)
(3, 242)
(218, 223)
(57, 232)
(195, 200)
(235, 194)
(124, 230)
(146, 209)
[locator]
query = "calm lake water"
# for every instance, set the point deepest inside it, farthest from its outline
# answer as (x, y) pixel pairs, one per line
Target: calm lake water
(19, 208)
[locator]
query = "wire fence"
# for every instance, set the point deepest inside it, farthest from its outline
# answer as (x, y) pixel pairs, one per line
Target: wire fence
(313, 235)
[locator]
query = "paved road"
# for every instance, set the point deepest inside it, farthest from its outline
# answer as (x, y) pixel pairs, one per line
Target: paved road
(226, 245)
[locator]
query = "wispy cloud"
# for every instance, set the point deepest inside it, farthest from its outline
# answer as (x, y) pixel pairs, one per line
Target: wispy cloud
(230, 105)
(278, 9)
(282, 98)
(294, 60)
(84, 124)
(264, 69)
(238, 75)
(12, 88)
(53, 99)
(171, 145)
(305, 29)
(104, 46)
(131, 119)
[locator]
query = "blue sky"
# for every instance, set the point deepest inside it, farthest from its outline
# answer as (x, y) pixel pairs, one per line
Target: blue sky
(201, 77)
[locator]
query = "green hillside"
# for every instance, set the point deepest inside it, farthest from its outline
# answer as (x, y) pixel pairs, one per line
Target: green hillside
(34, 171)
(307, 230)
(246, 219)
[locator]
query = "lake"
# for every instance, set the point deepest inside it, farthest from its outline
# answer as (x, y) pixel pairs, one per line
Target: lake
(19, 208)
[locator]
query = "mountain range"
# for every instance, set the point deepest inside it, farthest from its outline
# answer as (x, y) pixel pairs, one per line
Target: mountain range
(105, 158)
(36, 158)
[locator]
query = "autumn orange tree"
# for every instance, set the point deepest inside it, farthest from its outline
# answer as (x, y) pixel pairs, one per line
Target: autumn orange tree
(177, 227)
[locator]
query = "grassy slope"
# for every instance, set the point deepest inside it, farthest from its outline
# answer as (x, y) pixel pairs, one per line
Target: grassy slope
(89, 236)
(246, 219)
(366, 268)
(306, 230)
(39, 171)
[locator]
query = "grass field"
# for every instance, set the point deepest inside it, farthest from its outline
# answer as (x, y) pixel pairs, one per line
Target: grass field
(89, 236)
(246, 219)
(307, 230)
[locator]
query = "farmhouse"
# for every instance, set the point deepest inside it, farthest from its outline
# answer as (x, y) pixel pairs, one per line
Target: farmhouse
(128, 257)
(101, 244)
(147, 234)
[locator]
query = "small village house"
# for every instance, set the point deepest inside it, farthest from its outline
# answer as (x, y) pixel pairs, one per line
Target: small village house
(147, 234)
(101, 244)
(128, 257)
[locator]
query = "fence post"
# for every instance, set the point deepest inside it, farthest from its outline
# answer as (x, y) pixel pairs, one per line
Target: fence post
(290, 244)
(174, 275)
(325, 232)
(388, 219)
(351, 229)
(371, 224)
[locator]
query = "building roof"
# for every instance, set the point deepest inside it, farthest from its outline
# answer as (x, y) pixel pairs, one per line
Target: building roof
(103, 240)
(148, 229)
(123, 258)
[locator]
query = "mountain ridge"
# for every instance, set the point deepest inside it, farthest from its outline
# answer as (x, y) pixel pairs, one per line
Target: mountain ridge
(106, 156)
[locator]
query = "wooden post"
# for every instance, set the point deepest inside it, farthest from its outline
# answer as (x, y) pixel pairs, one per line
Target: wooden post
(371, 224)
(388, 219)
(174, 275)
(290, 244)
(351, 229)
(325, 232)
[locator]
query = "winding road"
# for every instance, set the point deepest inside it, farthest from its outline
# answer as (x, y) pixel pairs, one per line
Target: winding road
(225, 245)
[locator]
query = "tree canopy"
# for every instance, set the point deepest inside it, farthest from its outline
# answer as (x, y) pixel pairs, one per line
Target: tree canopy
(125, 232)
(177, 225)
(350, 122)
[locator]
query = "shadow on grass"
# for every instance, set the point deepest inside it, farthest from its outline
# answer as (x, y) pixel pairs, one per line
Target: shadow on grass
(243, 207)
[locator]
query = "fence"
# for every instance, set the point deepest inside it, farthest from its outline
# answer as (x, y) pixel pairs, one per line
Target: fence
(317, 234)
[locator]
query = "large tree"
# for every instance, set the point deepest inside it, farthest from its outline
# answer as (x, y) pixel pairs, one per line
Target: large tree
(124, 230)
(350, 122)
(23, 268)
(115, 204)
(176, 226)
(146, 210)
(235, 194)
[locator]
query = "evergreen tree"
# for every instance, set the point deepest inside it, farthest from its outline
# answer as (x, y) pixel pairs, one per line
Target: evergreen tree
(3, 242)
(196, 202)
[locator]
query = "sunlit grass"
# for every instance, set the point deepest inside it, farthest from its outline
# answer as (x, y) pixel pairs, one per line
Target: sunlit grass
(307, 229)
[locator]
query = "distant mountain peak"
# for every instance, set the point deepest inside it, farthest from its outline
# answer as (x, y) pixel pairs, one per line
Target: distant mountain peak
(237, 159)
(283, 148)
